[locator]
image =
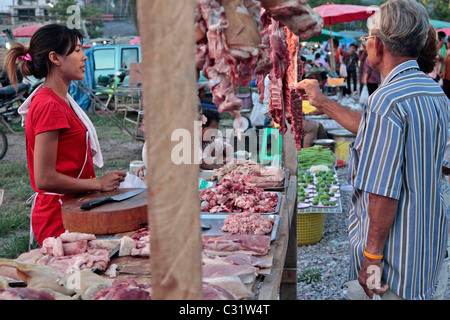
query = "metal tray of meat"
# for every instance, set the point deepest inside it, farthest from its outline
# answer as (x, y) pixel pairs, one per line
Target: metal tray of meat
(277, 207)
(207, 174)
(217, 221)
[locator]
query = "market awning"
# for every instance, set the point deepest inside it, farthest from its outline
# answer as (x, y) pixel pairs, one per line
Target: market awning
(25, 32)
(437, 24)
(325, 35)
(338, 13)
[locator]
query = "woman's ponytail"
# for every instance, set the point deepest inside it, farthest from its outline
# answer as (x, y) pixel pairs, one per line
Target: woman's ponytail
(18, 54)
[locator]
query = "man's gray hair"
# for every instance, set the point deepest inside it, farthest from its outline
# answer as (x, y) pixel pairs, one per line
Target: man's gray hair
(402, 25)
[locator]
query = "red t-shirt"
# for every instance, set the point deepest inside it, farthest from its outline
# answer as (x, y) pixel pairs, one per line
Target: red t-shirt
(49, 112)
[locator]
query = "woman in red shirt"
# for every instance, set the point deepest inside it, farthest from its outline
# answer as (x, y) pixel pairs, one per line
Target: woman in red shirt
(59, 140)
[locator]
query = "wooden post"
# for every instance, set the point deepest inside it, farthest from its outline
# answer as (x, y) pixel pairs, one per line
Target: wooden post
(169, 93)
(288, 288)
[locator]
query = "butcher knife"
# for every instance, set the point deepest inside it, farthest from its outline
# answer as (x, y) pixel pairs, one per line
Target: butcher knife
(120, 197)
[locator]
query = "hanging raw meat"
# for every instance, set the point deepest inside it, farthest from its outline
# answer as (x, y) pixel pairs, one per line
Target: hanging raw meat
(293, 100)
(296, 15)
(230, 51)
(285, 104)
(280, 57)
(238, 39)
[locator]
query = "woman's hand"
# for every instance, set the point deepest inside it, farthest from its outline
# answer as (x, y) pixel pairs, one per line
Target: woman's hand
(111, 180)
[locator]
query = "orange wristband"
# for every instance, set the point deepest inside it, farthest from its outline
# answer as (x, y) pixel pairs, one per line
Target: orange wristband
(371, 256)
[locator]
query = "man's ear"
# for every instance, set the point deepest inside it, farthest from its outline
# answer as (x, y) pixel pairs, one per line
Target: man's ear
(379, 46)
(53, 57)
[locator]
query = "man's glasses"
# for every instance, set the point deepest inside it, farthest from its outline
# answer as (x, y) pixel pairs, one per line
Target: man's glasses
(365, 38)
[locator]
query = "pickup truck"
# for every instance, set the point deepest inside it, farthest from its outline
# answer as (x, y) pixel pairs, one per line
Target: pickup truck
(113, 61)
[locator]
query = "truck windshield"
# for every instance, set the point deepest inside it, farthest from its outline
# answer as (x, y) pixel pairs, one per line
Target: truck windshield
(104, 59)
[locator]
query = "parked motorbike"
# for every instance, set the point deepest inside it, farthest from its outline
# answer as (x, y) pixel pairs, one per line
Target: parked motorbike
(3, 144)
(10, 101)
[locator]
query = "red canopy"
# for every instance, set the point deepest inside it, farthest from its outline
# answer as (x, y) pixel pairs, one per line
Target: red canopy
(446, 30)
(337, 13)
(25, 32)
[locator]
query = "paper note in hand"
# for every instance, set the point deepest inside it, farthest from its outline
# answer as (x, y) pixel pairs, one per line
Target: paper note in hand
(307, 107)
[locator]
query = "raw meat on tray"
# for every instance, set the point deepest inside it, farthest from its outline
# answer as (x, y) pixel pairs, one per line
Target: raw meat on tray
(237, 243)
(233, 195)
(247, 223)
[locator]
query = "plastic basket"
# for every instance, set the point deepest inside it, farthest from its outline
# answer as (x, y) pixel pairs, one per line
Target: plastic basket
(310, 227)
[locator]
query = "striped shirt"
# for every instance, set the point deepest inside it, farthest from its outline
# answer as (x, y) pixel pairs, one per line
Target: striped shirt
(398, 153)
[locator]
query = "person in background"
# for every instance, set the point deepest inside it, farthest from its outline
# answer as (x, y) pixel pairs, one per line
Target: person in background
(321, 77)
(62, 145)
(362, 55)
(396, 164)
(319, 60)
(337, 53)
(443, 49)
(446, 71)
(429, 56)
(350, 59)
(435, 74)
(212, 142)
(371, 77)
(308, 65)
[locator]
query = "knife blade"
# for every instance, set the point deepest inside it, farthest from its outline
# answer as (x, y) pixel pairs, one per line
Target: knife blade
(120, 197)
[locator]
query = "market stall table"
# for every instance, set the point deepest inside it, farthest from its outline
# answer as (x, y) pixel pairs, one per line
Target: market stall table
(269, 283)
(327, 123)
(335, 90)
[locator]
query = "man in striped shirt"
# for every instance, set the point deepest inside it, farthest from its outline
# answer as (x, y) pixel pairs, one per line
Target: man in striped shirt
(398, 228)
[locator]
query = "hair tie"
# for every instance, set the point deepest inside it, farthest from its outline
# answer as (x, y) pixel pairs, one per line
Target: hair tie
(26, 57)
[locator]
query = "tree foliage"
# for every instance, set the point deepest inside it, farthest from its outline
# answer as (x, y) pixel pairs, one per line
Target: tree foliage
(437, 9)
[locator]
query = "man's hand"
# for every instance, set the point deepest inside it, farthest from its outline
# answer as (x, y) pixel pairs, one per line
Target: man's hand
(346, 117)
(311, 87)
(382, 212)
(370, 277)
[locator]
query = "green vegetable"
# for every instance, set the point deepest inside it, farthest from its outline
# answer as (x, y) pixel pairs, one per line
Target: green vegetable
(315, 155)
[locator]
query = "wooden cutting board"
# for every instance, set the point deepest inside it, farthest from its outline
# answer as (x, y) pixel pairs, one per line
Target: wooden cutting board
(109, 218)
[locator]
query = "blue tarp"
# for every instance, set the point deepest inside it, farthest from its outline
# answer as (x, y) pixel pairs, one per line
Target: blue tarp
(83, 101)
